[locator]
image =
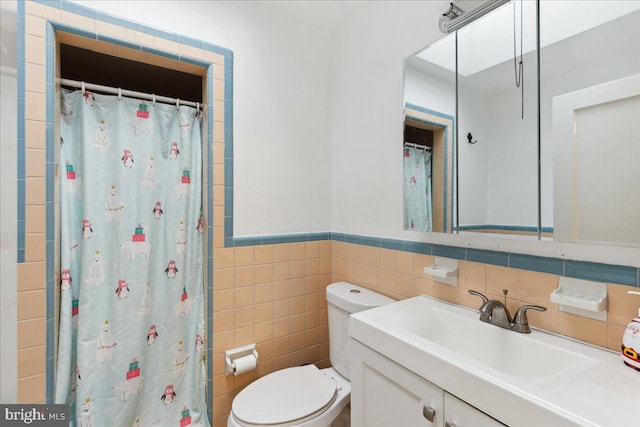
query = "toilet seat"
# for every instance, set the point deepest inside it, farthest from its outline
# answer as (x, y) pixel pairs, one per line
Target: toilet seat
(287, 396)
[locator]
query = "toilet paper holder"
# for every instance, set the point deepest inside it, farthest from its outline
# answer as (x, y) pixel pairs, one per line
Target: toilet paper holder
(231, 355)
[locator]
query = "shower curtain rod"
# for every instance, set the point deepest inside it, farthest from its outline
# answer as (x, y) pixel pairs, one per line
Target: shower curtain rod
(131, 93)
(418, 146)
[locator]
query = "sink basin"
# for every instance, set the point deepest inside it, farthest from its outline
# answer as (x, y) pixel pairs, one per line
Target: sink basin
(508, 352)
(521, 379)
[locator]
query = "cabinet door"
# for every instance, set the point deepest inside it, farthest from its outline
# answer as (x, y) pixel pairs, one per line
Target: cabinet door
(461, 414)
(384, 394)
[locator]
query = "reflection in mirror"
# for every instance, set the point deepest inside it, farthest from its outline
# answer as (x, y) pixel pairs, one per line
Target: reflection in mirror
(429, 111)
(497, 104)
(590, 120)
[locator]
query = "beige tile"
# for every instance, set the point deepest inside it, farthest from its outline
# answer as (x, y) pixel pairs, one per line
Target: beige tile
(218, 217)
(404, 285)
(35, 78)
(360, 254)
(218, 364)
(263, 293)
(218, 138)
(325, 248)
(35, 191)
(281, 253)
(263, 254)
(31, 333)
(32, 361)
(218, 174)
(35, 51)
(223, 384)
(224, 278)
(244, 256)
(42, 11)
(281, 362)
(281, 271)
(281, 290)
(536, 288)
(298, 251)
(312, 249)
(214, 58)
(223, 258)
(244, 316)
(472, 275)
(263, 331)
(584, 329)
(35, 163)
(312, 319)
(281, 309)
(264, 312)
(218, 110)
(312, 266)
(614, 336)
(221, 421)
(265, 350)
(325, 265)
(372, 256)
(223, 321)
(223, 341)
(191, 52)
(297, 305)
(223, 300)
(218, 152)
(296, 323)
(263, 273)
(622, 306)
(31, 304)
(35, 133)
(35, 247)
(244, 335)
(222, 404)
(218, 237)
(499, 278)
(244, 296)
(107, 29)
(36, 219)
(281, 346)
(31, 389)
(387, 259)
(264, 368)
(166, 45)
(547, 320)
(139, 38)
(404, 262)
(446, 292)
(280, 328)
(218, 89)
(32, 276)
(348, 251)
(297, 269)
(78, 21)
(244, 276)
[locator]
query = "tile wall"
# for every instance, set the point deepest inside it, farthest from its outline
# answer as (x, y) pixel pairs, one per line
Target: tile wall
(400, 274)
(273, 295)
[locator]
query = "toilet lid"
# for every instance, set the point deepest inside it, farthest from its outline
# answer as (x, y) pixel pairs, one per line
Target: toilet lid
(284, 396)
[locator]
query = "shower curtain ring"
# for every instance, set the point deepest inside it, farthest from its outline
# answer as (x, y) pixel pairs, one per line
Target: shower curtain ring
(119, 94)
(83, 88)
(178, 103)
(153, 99)
(197, 106)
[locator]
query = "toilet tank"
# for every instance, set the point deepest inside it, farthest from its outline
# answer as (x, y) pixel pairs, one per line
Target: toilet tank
(344, 299)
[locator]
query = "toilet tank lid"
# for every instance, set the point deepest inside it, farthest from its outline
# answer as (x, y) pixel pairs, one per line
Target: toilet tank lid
(353, 298)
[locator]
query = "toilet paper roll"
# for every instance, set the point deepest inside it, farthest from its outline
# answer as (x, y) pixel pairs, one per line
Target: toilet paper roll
(244, 364)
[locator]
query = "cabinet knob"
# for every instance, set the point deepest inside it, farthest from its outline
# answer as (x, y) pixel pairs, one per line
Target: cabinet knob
(448, 424)
(429, 413)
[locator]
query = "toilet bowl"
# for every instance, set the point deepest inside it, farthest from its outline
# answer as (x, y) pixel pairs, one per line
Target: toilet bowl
(306, 396)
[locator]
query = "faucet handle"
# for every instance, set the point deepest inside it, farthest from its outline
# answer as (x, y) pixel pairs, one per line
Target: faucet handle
(521, 314)
(478, 294)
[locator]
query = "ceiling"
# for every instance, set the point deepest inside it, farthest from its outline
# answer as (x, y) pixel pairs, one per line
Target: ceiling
(326, 15)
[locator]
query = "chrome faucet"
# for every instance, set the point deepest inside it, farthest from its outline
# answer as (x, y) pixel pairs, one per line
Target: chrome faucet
(497, 313)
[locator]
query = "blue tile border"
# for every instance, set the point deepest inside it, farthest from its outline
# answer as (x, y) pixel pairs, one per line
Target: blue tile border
(488, 257)
(622, 275)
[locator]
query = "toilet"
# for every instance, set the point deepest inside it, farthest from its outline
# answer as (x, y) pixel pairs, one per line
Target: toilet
(306, 396)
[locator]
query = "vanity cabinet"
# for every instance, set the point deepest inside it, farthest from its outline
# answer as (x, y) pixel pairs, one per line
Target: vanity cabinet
(385, 394)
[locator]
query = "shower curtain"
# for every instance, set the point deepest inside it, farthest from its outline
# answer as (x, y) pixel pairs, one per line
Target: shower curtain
(417, 189)
(131, 347)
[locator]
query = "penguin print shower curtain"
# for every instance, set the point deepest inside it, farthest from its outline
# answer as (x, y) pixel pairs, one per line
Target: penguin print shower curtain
(131, 348)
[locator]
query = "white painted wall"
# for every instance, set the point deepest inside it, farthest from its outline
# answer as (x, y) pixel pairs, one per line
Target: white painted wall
(366, 113)
(281, 99)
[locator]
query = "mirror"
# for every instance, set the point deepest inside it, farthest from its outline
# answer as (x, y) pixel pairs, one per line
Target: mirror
(571, 182)
(590, 120)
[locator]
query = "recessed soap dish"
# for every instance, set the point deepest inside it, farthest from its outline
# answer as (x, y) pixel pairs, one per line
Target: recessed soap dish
(581, 297)
(444, 270)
